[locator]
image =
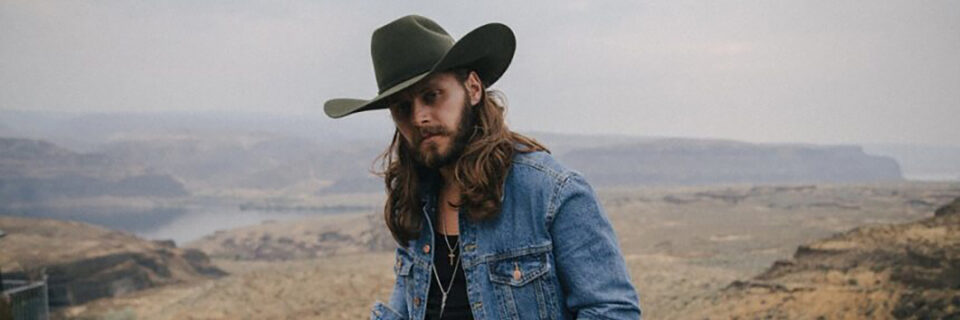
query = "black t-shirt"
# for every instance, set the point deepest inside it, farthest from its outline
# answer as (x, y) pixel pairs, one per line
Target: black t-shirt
(458, 307)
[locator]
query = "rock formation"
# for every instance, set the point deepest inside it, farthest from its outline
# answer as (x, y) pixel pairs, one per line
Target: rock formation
(300, 239)
(86, 262)
(902, 271)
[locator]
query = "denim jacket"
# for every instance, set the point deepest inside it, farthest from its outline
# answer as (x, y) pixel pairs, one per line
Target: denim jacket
(550, 254)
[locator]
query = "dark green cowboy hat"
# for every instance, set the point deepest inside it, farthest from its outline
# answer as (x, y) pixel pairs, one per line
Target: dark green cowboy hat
(410, 48)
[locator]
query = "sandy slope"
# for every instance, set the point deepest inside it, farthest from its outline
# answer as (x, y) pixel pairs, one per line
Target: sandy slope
(683, 246)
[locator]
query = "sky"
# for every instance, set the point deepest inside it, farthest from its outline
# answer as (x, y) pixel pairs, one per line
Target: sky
(757, 71)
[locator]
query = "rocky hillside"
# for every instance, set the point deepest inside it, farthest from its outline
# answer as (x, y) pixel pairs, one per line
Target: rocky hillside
(254, 161)
(85, 262)
(306, 238)
(43, 180)
(680, 244)
(34, 171)
(41, 158)
(902, 271)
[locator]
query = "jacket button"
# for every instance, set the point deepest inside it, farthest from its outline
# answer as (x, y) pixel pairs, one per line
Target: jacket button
(469, 247)
(516, 272)
(426, 248)
(416, 301)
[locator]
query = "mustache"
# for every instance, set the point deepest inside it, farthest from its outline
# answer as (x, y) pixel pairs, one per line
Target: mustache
(431, 131)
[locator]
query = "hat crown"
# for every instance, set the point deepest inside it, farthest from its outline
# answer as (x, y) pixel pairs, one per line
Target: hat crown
(407, 47)
(411, 48)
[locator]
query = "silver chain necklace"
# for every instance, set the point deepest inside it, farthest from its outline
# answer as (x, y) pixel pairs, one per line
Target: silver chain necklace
(443, 299)
(456, 266)
(446, 240)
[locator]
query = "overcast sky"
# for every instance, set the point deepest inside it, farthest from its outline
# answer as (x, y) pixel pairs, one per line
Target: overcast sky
(760, 71)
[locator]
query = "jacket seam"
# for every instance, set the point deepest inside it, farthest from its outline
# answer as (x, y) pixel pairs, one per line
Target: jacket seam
(518, 252)
(555, 174)
(554, 199)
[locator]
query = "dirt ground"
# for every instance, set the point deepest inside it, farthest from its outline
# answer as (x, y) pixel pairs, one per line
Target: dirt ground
(680, 244)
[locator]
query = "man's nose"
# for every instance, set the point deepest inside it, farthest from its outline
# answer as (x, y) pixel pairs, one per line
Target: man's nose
(421, 112)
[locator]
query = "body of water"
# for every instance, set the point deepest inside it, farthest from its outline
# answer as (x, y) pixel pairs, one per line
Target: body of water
(199, 222)
(180, 224)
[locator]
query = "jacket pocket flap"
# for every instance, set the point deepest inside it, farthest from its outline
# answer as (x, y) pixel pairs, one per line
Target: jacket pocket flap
(519, 270)
(403, 264)
(381, 311)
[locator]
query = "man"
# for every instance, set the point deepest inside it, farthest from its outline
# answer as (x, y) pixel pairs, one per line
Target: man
(489, 225)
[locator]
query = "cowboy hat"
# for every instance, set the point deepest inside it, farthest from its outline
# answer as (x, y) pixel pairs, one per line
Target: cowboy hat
(411, 48)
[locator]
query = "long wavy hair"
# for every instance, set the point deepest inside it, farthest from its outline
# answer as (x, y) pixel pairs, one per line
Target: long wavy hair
(480, 171)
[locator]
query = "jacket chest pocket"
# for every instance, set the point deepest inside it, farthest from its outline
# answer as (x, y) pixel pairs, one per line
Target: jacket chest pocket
(523, 284)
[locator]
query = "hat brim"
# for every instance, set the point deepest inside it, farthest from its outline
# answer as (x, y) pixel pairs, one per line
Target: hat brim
(488, 50)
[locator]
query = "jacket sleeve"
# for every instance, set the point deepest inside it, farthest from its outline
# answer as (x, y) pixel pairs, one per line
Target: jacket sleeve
(590, 266)
(396, 309)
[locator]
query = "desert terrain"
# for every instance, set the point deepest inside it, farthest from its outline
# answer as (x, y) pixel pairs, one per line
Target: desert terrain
(689, 250)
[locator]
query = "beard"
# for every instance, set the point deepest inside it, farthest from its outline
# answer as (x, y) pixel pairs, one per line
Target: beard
(431, 156)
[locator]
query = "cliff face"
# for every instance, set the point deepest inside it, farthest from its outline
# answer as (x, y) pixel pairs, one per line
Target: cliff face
(899, 271)
(688, 161)
(86, 262)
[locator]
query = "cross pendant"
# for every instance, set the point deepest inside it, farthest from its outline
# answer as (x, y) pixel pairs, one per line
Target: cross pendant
(451, 255)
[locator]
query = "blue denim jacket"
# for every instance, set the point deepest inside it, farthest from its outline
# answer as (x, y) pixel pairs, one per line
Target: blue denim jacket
(551, 229)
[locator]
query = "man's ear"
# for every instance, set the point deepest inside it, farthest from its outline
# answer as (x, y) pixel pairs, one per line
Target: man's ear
(474, 88)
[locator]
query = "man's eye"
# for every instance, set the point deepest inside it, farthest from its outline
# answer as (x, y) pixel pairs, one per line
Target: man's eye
(431, 96)
(402, 108)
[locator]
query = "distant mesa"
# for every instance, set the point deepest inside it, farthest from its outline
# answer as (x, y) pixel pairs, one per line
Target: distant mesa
(86, 262)
(903, 271)
(271, 152)
(210, 163)
(674, 161)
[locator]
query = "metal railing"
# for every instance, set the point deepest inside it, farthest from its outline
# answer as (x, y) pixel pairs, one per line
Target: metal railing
(28, 300)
